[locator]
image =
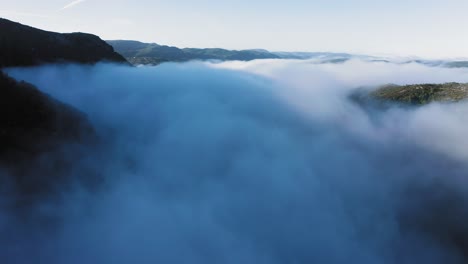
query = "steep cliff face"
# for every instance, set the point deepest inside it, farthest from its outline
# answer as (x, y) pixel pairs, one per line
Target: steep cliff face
(35, 129)
(40, 137)
(22, 45)
(31, 121)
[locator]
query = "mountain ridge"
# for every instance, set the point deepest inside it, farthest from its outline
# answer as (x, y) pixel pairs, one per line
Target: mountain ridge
(141, 53)
(22, 45)
(33, 125)
(151, 53)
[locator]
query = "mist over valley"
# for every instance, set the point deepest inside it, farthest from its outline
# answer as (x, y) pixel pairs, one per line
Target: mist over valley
(322, 158)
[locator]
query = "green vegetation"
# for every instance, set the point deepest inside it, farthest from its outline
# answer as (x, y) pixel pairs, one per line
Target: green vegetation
(420, 94)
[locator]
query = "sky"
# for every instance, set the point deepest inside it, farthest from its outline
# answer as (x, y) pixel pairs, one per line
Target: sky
(426, 28)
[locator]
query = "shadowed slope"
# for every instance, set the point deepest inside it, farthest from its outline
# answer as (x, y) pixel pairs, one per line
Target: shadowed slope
(22, 45)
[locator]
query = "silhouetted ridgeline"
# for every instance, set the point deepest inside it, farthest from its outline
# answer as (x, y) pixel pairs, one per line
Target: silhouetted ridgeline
(34, 126)
(22, 45)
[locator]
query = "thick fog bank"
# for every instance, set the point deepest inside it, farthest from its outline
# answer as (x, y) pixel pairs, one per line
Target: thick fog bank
(253, 162)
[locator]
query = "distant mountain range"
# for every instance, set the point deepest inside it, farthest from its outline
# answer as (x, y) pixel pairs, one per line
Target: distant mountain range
(153, 54)
(139, 53)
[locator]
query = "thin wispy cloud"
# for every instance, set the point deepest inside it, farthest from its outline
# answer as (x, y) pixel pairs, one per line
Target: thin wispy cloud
(73, 4)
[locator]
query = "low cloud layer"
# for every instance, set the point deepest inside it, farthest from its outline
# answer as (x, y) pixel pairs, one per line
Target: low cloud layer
(253, 162)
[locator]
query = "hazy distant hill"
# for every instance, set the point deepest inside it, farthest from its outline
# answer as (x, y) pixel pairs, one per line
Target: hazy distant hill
(22, 45)
(152, 53)
(139, 53)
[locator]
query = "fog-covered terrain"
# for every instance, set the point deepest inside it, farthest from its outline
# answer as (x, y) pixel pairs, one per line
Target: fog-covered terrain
(250, 162)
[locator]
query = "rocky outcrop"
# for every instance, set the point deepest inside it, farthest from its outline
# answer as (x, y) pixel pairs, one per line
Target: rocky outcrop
(410, 95)
(420, 94)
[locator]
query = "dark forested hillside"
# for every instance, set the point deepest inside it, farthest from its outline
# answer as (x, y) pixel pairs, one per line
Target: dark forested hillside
(29, 118)
(22, 45)
(34, 126)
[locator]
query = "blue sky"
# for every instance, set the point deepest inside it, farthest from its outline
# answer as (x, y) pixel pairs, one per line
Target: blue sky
(414, 27)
